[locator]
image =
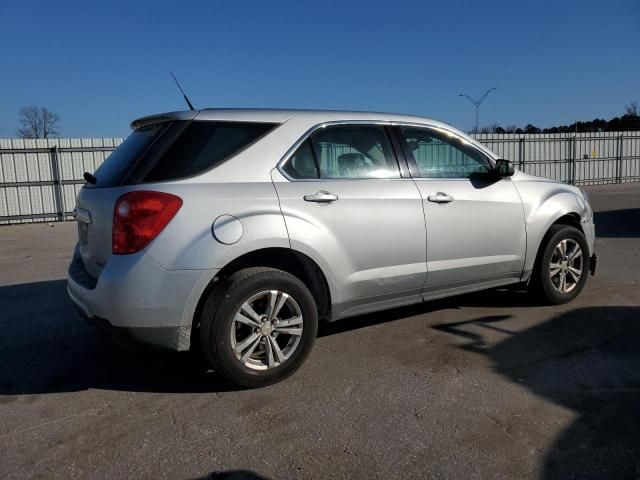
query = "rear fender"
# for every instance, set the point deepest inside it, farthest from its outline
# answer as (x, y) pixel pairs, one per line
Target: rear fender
(188, 242)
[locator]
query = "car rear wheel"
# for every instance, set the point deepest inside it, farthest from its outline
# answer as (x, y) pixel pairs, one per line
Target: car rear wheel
(562, 266)
(258, 326)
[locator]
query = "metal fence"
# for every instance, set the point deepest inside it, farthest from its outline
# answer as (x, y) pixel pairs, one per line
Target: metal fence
(39, 179)
(578, 159)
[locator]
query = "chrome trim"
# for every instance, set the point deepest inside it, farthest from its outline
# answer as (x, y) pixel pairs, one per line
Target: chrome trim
(391, 123)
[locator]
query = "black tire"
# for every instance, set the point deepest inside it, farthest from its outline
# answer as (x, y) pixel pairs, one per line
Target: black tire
(217, 316)
(541, 283)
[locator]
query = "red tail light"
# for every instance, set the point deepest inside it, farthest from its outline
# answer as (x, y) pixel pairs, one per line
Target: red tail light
(139, 217)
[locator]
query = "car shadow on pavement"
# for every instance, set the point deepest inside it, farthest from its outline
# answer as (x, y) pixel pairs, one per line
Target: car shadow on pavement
(46, 347)
(623, 223)
(587, 360)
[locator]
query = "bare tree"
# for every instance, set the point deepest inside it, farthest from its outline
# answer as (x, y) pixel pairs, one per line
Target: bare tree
(38, 122)
(632, 108)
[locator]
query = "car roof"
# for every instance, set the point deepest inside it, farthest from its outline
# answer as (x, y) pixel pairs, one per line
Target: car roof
(282, 115)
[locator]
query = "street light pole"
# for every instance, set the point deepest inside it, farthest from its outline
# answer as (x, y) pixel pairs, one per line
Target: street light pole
(477, 103)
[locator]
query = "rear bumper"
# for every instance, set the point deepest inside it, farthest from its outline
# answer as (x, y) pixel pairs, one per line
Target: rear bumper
(162, 337)
(136, 294)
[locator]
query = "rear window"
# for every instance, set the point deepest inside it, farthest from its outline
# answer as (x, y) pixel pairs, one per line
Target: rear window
(202, 146)
(114, 169)
(169, 151)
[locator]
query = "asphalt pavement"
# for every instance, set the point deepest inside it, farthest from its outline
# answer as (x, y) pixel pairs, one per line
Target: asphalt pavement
(488, 385)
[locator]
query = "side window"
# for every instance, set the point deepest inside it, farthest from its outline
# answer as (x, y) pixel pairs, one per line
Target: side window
(438, 156)
(344, 151)
(302, 164)
(354, 151)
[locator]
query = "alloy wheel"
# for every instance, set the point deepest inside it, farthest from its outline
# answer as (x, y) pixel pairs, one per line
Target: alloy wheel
(266, 330)
(566, 266)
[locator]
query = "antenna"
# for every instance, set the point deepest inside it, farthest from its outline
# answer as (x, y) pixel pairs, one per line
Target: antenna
(186, 99)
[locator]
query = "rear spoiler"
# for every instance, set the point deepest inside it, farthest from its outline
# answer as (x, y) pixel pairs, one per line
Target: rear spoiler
(163, 117)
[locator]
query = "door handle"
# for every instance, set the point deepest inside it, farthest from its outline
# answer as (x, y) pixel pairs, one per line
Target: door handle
(440, 198)
(321, 197)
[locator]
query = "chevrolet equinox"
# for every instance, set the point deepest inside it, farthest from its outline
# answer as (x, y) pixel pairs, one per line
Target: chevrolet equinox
(237, 231)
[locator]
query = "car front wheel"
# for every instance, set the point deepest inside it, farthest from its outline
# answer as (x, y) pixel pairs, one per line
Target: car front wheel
(562, 266)
(258, 326)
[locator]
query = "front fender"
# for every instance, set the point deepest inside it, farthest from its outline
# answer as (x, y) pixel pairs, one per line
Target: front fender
(544, 203)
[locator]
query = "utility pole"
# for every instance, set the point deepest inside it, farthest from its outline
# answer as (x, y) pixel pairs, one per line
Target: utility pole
(477, 103)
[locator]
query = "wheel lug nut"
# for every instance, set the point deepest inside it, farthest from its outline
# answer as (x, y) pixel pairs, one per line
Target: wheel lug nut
(274, 334)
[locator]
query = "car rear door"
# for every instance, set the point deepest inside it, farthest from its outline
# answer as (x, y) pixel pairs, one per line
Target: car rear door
(475, 222)
(347, 205)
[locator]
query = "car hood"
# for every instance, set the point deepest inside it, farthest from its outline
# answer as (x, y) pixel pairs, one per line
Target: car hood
(525, 177)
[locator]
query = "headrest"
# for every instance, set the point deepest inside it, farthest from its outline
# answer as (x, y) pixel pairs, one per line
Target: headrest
(351, 160)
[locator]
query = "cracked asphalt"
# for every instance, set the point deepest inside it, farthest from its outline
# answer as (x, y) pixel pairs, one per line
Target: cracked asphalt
(488, 385)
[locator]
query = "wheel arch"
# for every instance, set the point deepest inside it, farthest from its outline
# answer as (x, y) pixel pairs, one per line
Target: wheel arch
(541, 282)
(545, 206)
(571, 219)
(289, 260)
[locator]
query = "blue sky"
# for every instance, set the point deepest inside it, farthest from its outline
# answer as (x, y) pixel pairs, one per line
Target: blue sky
(101, 64)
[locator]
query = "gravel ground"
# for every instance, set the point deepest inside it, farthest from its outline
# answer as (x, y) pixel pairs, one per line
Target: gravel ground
(487, 385)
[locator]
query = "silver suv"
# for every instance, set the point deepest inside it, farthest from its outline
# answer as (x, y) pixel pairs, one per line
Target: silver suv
(236, 231)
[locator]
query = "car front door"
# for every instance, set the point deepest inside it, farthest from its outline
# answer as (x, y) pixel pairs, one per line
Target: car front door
(347, 205)
(475, 222)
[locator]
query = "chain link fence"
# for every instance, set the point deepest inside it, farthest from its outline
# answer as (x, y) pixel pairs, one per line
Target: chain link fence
(39, 179)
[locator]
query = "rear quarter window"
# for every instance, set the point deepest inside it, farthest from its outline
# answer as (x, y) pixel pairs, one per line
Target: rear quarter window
(203, 145)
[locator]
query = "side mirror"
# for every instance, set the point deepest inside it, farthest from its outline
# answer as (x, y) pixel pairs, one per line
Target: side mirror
(504, 168)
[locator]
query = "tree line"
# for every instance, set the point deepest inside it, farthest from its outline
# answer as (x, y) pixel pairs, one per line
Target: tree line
(630, 121)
